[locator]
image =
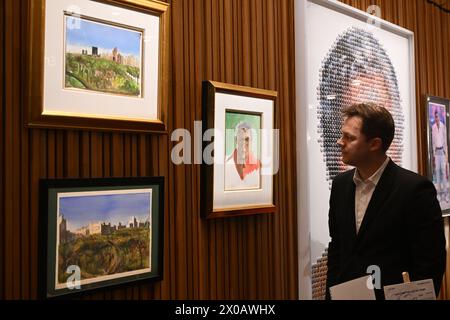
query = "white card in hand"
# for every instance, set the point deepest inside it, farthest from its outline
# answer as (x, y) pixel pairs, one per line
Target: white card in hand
(358, 289)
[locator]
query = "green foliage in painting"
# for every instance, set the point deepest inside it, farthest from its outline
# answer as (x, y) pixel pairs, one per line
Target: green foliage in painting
(100, 255)
(99, 74)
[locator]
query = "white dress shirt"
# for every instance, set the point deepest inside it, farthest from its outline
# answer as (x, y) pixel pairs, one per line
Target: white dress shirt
(439, 137)
(364, 191)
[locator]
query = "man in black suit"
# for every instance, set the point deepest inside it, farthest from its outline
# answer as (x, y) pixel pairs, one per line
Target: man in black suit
(381, 214)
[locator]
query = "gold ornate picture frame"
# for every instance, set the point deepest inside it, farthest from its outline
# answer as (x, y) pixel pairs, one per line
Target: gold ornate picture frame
(98, 65)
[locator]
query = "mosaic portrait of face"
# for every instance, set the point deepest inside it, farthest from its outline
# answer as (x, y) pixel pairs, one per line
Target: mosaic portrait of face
(356, 69)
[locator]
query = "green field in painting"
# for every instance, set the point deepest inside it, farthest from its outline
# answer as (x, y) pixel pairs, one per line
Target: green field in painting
(100, 255)
(103, 75)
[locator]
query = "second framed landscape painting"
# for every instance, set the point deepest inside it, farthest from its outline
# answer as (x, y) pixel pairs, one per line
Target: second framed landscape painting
(99, 232)
(237, 179)
(88, 59)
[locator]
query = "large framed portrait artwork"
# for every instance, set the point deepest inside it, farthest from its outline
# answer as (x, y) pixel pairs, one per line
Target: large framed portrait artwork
(99, 65)
(238, 130)
(359, 58)
(437, 115)
(97, 233)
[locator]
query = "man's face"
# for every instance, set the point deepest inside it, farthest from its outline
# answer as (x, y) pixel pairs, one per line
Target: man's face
(436, 118)
(369, 88)
(355, 146)
(243, 146)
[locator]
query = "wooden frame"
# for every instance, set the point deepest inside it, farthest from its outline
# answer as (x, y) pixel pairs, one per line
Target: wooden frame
(440, 107)
(154, 109)
(223, 106)
(97, 233)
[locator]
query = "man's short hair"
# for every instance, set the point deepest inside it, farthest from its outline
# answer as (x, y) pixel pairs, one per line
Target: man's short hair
(355, 53)
(377, 122)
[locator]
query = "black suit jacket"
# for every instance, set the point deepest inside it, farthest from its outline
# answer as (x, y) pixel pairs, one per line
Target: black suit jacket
(402, 230)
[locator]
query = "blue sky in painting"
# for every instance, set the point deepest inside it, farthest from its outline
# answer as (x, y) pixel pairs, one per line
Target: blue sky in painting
(93, 34)
(79, 211)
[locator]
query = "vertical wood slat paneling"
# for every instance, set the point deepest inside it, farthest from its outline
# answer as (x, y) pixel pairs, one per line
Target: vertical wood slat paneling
(127, 161)
(282, 99)
(277, 227)
(290, 155)
(230, 275)
(240, 62)
(246, 42)
(23, 245)
(200, 232)
(58, 154)
(9, 279)
(84, 157)
(71, 151)
(3, 251)
(162, 290)
(165, 288)
(17, 157)
(430, 27)
(95, 155)
(251, 249)
(2, 146)
(264, 229)
(270, 20)
(178, 278)
(208, 66)
(50, 164)
(188, 82)
(37, 147)
(235, 41)
(216, 44)
(261, 243)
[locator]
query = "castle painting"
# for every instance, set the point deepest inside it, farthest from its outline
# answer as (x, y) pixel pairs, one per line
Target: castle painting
(102, 57)
(105, 234)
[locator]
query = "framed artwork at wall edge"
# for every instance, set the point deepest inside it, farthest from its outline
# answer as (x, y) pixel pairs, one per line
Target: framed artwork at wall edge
(239, 158)
(437, 115)
(97, 233)
(98, 65)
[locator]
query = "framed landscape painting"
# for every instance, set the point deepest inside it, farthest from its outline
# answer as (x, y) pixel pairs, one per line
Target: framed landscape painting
(238, 125)
(100, 65)
(102, 57)
(100, 232)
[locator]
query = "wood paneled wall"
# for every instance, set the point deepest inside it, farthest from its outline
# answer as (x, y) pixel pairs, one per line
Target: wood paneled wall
(431, 28)
(245, 42)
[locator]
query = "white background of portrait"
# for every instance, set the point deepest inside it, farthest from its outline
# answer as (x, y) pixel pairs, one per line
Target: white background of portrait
(243, 198)
(96, 104)
(317, 28)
